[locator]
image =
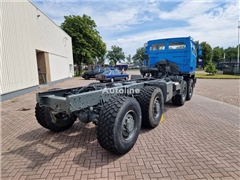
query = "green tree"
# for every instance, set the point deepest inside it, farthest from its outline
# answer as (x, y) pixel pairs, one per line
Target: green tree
(231, 53)
(100, 48)
(138, 57)
(116, 54)
(87, 44)
(101, 60)
(206, 53)
(218, 54)
(129, 59)
(210, 68)
(111, 62)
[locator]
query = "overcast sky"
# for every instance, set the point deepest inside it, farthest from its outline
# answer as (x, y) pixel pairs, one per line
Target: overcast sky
(130, 23)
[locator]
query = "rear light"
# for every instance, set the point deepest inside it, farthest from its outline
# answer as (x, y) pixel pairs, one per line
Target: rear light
(104, 77)
(95, 76)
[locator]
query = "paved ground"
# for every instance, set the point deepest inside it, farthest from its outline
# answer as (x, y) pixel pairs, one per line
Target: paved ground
(222, 90)
(199, 140)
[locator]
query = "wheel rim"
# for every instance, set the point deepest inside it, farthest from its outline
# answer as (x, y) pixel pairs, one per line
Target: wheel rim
(128, 125)
(112, 80)
(184, 92)
(191, 89)
(59, 118)
(156, 107)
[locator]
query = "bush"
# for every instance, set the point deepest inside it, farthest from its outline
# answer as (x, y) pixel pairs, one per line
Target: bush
(210, 68)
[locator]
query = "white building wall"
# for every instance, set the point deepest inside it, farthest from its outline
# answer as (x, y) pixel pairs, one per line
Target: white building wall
(1, 55)
(23, 32)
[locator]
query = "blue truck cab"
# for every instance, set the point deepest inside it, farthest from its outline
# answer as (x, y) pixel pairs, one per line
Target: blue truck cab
(173, 59)
(181, 51)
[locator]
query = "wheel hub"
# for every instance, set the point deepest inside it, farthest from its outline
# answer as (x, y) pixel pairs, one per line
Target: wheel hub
(156, 107)
(58, 118)
(128, 125)
(191, 89)
(184, 93)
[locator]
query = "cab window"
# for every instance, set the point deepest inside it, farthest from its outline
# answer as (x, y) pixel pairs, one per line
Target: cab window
(157, 47)
(153, 47)
(194, 49)
(176, 45)
(161, 46)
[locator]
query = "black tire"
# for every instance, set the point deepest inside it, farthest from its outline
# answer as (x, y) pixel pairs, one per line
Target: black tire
(86, 77)
(152, 105)
(39, 114)
(179, 100)
(57, 123)
(101, 81)
(119, 115)
(189, 89)
(126, 78)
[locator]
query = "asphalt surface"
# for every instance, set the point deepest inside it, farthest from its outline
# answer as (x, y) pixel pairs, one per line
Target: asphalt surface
(199, 140)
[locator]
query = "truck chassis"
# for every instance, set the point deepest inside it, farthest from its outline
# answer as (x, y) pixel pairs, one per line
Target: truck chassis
(118, 109)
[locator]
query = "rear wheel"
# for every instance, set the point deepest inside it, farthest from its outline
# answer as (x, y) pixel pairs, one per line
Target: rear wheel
(119, 124)
(152, 105)
(39, 114)
(126, 78)
(189, 89)
(52, 121)
(179, 100)
(112, 80)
